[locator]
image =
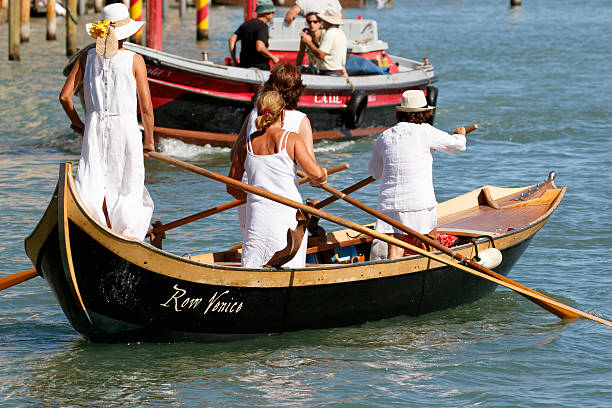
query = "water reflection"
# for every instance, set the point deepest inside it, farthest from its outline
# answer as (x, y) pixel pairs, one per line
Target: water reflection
(286, 369)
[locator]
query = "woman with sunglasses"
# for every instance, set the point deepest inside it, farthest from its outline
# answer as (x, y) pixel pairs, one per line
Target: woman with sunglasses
(315, 32)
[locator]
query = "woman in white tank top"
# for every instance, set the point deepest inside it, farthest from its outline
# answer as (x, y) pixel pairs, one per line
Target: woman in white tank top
(269, 157)
(286, 79)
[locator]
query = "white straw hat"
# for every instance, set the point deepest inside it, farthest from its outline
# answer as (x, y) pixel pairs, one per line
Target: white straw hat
(120, 26)
(413, 100)
(332, 16)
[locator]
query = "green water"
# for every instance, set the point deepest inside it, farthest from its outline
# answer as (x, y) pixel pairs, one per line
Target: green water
(537, 79)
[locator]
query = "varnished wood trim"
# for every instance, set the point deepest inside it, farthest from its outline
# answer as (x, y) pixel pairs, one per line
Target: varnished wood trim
(546, 198)
(64, 200)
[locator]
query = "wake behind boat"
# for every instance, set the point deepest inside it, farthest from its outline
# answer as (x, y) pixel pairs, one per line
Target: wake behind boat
(112, 288)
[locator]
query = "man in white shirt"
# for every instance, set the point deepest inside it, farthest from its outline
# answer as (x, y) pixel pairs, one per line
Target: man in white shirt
(304, 7)
(331, 52)
(402, 158)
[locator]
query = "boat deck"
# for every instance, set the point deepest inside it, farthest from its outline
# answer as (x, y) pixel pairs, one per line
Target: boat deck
(489, 211)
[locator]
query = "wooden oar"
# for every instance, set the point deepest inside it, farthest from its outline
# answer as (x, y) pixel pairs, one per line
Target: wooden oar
(226, 206)
(562, 313)
(17, 278)
(332, 198)
(375, 234)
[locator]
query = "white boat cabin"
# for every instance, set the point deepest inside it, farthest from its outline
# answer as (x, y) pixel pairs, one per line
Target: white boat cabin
(362, 35)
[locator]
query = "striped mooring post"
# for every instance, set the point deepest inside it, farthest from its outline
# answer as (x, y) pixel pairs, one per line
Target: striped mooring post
(249, 9)
(136, 14)
(154, 24)
(202, 19)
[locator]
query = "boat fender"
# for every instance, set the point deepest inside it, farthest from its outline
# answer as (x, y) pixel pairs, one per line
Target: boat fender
(355, 109)
(432, 95)
(489, 258)
(432, 100)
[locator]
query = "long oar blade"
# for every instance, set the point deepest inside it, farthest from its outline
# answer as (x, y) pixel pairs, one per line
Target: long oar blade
(17, 278)
(367, 231)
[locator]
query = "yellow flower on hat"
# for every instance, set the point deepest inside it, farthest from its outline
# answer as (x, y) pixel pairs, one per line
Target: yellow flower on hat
(100, 29)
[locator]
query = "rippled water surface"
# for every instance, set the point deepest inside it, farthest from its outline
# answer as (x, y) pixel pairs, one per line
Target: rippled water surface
(536, 78)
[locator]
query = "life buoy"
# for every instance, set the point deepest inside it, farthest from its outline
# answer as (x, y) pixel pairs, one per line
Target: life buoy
(355, 109)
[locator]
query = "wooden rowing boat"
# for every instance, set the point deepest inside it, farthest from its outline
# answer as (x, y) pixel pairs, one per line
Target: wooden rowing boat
(116, 289)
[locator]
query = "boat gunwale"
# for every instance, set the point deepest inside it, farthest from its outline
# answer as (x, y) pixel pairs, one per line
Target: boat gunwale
(266, 277)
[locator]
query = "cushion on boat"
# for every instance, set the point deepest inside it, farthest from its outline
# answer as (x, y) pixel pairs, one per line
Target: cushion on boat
(356, 65)
(446, 240)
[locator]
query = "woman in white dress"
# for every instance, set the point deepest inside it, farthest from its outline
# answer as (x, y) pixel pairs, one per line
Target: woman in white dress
(285, 79)
(110, 178)
(269, 157)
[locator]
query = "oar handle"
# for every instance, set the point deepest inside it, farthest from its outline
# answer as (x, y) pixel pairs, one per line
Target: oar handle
(470, 128)
(332, 170)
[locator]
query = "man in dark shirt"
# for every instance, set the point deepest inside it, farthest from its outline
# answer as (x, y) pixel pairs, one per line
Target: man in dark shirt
(254, 37)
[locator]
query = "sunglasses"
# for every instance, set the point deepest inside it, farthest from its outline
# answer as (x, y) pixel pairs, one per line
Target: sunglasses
(312, 21)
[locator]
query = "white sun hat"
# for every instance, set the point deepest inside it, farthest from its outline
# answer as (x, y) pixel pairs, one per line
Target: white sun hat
(332, 16)
(413, 100)
(119, 27)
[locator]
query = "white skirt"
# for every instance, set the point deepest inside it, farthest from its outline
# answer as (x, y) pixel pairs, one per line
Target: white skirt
(422, 221)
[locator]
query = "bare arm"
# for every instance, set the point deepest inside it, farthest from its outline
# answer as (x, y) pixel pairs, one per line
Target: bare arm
(305, 133)
(237, 170)
(144, 101)
(232, 47)
(293, 11)
(310, 44)
(70, 86)
(306, 161)
(263, 50)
